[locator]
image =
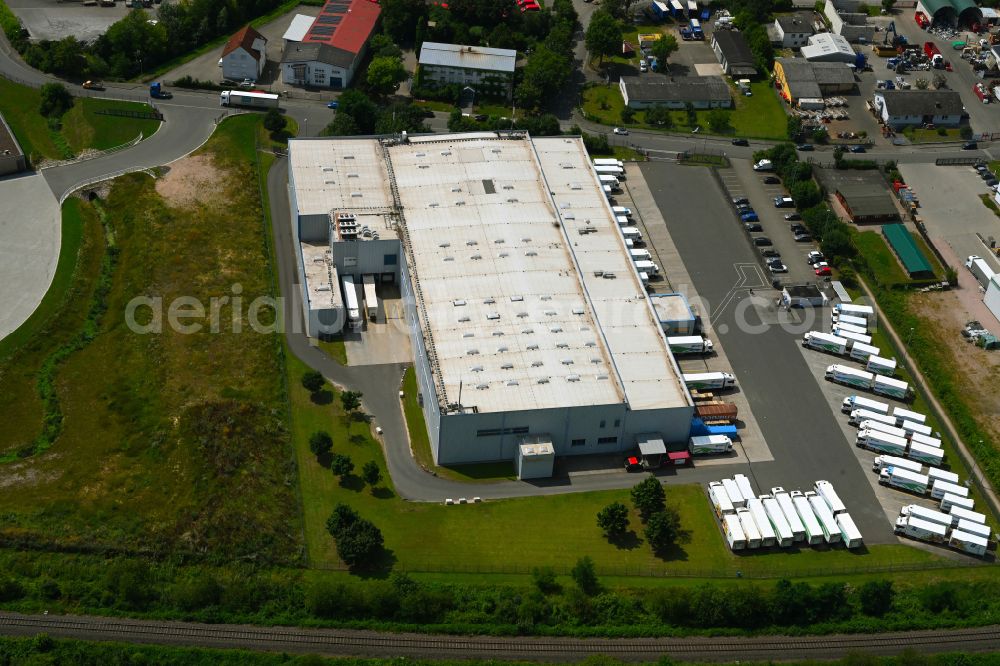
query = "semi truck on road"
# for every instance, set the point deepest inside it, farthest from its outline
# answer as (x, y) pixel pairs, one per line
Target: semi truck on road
(250, 100)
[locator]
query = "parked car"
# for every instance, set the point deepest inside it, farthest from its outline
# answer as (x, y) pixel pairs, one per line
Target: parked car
(740, 200)
(784, 202)
(992, 182)
(643, 67)
(777, 267)
(797, 229)
(752, 226)
(803, 237)
(985, 174)
(971, 145)
(750, 217)
(621, 130)
(246, 83)
(762, 241)
(332, 105)
(769, 253)
(93, 85)
(823, 271)
(814, 257)
(740, 142)
(858, 149)
(792, 216)
(804, 147)
(772, 180)
(744, 208)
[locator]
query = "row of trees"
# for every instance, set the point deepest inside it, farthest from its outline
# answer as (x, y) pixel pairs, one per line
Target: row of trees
(358, 114)
(662, 523)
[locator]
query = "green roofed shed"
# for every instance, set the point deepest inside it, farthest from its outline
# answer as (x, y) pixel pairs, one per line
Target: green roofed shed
(901, 241)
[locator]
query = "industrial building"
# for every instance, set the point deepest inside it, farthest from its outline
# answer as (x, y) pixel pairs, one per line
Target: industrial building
(12, 158)
(801, 82)
(961, 12)
(527, 316)
(701, 92)
(845, 20)
(484, 69)
(866, 200)
(900, 108)
(828, 47)
(329, 53)
(901, 241)
(734, 54)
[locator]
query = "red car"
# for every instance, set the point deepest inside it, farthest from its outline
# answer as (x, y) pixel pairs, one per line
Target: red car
(530, 7)
(824, 270)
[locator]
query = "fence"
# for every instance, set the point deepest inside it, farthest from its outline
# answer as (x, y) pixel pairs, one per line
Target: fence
(125, 113)
(92, 156)
(959, 161)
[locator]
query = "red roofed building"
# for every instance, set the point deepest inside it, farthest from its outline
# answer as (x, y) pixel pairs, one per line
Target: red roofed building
(329, 54)
(244, 55)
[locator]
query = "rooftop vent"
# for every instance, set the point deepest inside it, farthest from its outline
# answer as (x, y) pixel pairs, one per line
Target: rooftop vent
(556, 329)
(537, 364)
(356, 195)
(458, 302)
(482, 387)
(490, 301)
(531, 253)
(463, 319)
(512, 382)
(492, 316)
(543, 380)
(476, 257)
(572, 378)
(532, 347)
(497, 334)
(500, 241)
(546, 297)
(328, 169)
(468, 334)
(567, 361)
(477, 368)
(472, 352)
(449, 258)
(516, 299)
(578, 311)
(527, 331)
(551, 313)
(470, 243)
(421, 155)
(602, 376)
(445, 244)
(501, 349)
(562, 345)
(507, 366)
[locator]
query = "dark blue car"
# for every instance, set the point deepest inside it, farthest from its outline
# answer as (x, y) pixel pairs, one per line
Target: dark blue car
(750, 216)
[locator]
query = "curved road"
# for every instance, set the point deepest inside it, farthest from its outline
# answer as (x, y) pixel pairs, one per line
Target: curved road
(343, 642)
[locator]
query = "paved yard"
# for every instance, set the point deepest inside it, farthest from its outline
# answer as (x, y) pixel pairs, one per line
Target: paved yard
(53, 19)
(29, 247)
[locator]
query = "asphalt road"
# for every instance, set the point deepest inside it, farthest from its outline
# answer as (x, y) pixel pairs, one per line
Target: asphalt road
(793, 414)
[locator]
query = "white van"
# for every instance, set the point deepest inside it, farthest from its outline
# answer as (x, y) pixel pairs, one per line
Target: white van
(621, 210)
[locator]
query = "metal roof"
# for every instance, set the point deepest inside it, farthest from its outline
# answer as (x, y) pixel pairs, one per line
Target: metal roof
(468, 57)
(345, 24)
(734, 47)
(317, 52)
(906, 249)
(299, 28)
(922, 102)
(828, 46)
(654, 88)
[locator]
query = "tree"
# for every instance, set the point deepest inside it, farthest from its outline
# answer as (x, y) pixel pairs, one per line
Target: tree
(381, 45)
(545, 580)
(400, 18)
(320, 443)
(628, 114)
(718, 121)
(274, 121)
(820, 135)
(887, 5)
(921, 84)
(806, 194)
(312, 381)
(55, 101)
(794, 126)
(370, 473)
(360, 543)
(604, 36)
(351, 401)
(663, 48)
(940, 81)
(837, 243)
(341, 465)
(385, 74)
(663, 530)
(613, 520)
(342, 517)
(876, 597)
(692, 115)
(659, 115)
(648, 497)
(585, 575)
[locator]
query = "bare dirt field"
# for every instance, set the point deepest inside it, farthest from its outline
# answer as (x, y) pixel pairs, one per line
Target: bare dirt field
(190, 181)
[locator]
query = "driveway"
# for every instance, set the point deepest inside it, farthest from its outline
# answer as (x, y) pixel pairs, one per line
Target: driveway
(30, 225)
(54, 19)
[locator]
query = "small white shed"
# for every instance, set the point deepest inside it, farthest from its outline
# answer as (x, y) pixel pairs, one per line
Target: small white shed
(535, 458)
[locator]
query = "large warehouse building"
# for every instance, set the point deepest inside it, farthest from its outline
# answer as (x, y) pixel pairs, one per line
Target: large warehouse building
(527, 318)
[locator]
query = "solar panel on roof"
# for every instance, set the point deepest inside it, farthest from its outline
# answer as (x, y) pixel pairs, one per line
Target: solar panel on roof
(323, 30)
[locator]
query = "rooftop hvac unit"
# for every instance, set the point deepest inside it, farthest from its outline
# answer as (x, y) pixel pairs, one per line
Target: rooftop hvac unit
(328, 168)
(421, 155)
(522, 315)
(476, 257)
(516, 299)
(602, 376)
(578, 311)
(567, 361)
(504, 255)
(531, 253)
(500, 241)
(477, 368)
(468, 334)
(353, 175)
(543, 380)
(458, 302)
(550, 313)
(445, 244)
(492, 316)
(532, 347)
(449, 259)
(471, 242)
(507, 366)
(556, 329)
(348, 157)
(512, 382)
(572, 378)
(497, 333)
(482, 387)
(536, 364)
(472, 352)
(463, 319)
(546, 297)
(591, 343)
(356, 195)
(526, 239)
(423, 166)
(323, 287)
(562, 345)
(502, 349)
(527, 331)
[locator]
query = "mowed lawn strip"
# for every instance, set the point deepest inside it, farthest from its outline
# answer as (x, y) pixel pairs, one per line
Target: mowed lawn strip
(84, 128)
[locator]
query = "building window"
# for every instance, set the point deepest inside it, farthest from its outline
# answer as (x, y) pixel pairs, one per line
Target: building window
(319, 76)
(389, 259)
(494, 432)
(578, 442)
(603, 423)
(618, 422)
(607, 440)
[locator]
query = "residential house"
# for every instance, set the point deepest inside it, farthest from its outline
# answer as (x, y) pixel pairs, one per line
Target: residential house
(900, 108)
(244, 55)
(485, 70)
(329, 54)
(793, 30)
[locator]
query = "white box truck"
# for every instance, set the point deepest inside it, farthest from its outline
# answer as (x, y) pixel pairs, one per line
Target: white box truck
(622, 221)
(968, 543)
(609, 169)
(733, 528)
(881, 462)
(849, 532)
(825, 342)
(704, 445)
(907, 415)
(925, 440)
(689, 344)
(951, 502)
(849, 319)
(935, 473)
(880, 442)
(878, 426)
(784, 501)
(852, 337)
(892, 388)
(923, 513)
(749, 528)
(767, 536)
(831, 530)
(865, 311)
(647, 267)
(640, 255)
(958, 513)
(371, 297)
(609, 181)
(853, 402)
(631, 233)
(848, 328)
(825, 490)
(253, 100)
(862, 352)
(970, 527)
(735, 496)
(941, 488)
(904, 479)
(860, 415)
(814, 533)
(782, 530)
(843, 374)
(709, 380)
(927, 455)
(917, 428)
(881, 366)
(621, 210)
(921, 530)
(743, 483)
(980, 270)
(720, 499)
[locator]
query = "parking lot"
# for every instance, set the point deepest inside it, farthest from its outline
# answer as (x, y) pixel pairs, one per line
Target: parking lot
(54, 19)
(762, 345)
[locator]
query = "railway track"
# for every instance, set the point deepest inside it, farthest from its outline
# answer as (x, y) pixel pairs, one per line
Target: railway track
(376, 644)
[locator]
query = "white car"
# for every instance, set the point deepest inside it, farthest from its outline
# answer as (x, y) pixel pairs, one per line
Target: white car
(621, 130)
(777, 267)
(814, 257)
(643, 67)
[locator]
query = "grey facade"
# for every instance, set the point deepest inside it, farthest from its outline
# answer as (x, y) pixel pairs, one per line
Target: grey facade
(12, 158)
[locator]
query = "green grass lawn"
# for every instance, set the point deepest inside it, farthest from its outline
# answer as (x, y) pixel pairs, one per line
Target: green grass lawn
(84, 128)
(434, 105)
(880, 258)
(920, 135)
(19, 106)
(335, 349)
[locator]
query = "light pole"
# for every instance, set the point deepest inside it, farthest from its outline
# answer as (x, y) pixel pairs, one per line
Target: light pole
(909, 336)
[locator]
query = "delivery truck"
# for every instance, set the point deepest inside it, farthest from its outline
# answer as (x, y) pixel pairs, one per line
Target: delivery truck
(720, 499)
(623, 221)
(881, 366)
(921, 530)
(892, 388)
(878, 426)
(631, 233)
(865, 311)
(941, 488)
(825, 490)
(825, 342)
(980, 270)
(743, 483)
(970, 527)
(831, 530)
(749, 528)
(609, 181)
(916, 428)
(709, 380)
(903, 479)
(767, 535)
(849, 319)
(813, 530)
(784, 501)
(907, 415)
(861, 352)
(859, 415)
(929, 515)
(622, 211)
(849, 532)
(250, 100)
(927, 455)
(842, 374)
(782, 530)
(925, 440)
(968, 543)
(608, 160)
(849, 328)
(853, 402)
(950, 502)
(733, 528)
(733, 491)
(958, 513)
(851, 336)
(689, 344)
(883, 461)
(706, 445)
(880, 442)
(648, 267)
(934, 473)
(371, 296)
(610, 169)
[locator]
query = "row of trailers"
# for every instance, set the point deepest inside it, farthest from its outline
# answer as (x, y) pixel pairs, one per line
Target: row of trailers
(780, 518)
(354, 309)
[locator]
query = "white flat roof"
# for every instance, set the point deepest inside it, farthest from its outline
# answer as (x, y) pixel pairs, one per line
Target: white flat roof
(299, 27)
(322, 284)
(468, 57)
(520, 311)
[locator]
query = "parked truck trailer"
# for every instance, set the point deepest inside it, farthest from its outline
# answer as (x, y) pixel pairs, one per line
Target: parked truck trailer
(709, 380)
(866, 311)
(853, 402)
(968, 543)
(903, 479)
(941, 488)
(849, 532)
(860, 415)
(813, 530)
(929, 515)
(705, 445)
(880, 442)
(767, 535)
(862, 352)
(935, 473)
(951, 502)
(831, 530)
(884, 461)
(825, 490)
(689, 344)
(849, 376)
(784, 501)
(921, 530)
(749, 528)
(720, 499)
(782, 530)
(958, 513)
(825, 342)
(733, 528)
(927, 455)
(981, 270)
(881, 366)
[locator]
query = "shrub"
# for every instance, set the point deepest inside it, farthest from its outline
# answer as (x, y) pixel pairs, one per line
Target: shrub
(320, 443)
(613, 519)
(663, 531)
(648, 497)
(11, 590)
(341, 465)
(371, 474)
(876, 597)
(584, 574)
(55, 101)
(312, 381)
(545, 580)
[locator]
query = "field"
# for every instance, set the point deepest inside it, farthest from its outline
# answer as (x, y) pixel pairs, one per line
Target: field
(165, 442)
(880, 258)
(758, 117)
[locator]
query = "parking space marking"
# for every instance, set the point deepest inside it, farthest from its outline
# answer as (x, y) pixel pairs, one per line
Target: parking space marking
(750, 278)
